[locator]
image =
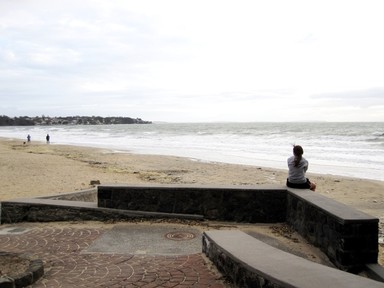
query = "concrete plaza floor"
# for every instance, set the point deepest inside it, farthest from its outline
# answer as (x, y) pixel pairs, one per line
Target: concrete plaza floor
(95, 254)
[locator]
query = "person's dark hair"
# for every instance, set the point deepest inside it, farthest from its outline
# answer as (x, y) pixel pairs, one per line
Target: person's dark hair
(298, 152)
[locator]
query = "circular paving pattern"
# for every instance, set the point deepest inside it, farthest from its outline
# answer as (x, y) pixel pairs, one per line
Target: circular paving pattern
(180, 236)
(67, 263)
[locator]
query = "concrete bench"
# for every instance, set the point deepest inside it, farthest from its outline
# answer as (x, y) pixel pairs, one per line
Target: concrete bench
(248, 262)
(347, 236)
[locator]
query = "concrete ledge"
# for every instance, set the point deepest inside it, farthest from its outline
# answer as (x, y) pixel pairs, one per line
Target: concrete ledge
(33, 273)
(46, 210)
(375, 271)
(347, 236)
(342, 212)
(88, 195)
(249, 262)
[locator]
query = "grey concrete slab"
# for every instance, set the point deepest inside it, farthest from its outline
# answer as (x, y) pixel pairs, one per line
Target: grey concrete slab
(13, 230)
(153, 239)
(344, 212)
(283, 268)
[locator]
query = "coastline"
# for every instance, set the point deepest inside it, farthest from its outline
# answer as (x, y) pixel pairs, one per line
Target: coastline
(56, 167)
(350, 150)
(38, 169)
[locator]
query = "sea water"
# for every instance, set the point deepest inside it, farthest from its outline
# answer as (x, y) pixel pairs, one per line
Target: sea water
(346, 149)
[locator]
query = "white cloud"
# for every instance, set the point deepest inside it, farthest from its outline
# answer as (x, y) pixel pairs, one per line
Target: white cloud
(193, 60)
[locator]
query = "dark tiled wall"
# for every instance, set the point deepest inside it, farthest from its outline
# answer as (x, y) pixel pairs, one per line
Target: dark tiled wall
(238, 204)
(349, 242)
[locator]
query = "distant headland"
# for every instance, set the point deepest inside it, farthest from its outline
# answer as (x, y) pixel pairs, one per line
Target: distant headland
(68, 120)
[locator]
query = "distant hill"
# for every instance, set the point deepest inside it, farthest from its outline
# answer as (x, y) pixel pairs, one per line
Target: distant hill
(69, 120)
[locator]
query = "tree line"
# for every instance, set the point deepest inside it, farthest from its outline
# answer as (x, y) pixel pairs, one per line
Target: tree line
(68, 120)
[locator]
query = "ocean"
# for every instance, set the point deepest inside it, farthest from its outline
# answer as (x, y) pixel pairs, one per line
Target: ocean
(345, 149)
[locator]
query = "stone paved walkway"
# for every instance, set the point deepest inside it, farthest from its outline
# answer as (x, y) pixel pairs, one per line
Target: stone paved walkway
(63, 249)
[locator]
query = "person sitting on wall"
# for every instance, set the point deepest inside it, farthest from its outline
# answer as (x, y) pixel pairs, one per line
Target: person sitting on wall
(297, 167)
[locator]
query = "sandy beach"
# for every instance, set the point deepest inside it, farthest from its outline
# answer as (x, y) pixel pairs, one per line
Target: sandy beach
(39, 169)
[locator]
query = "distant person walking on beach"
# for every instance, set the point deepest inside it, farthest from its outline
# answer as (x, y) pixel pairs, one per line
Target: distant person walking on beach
(297, 166)
(47, 138)
(29, 138)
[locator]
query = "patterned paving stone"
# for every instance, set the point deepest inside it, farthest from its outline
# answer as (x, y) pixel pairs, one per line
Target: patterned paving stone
(63, 249)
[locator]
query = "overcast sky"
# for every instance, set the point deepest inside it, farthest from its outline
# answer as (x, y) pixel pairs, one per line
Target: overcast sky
(193, 61)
